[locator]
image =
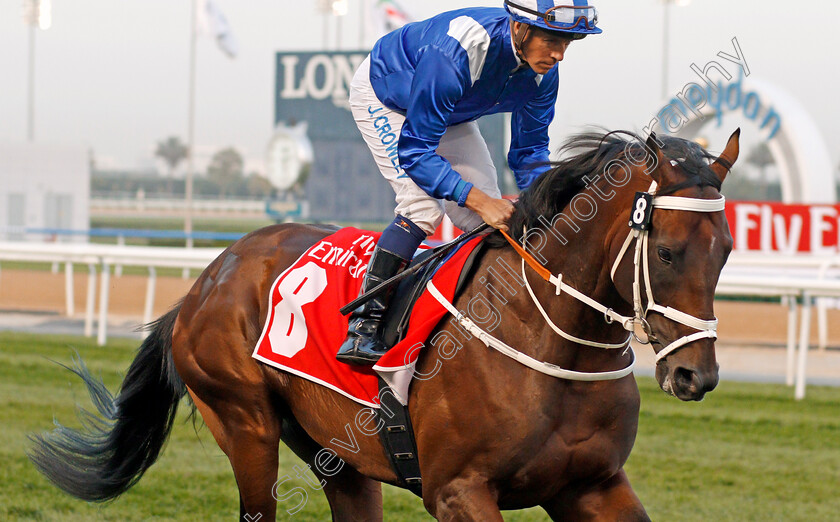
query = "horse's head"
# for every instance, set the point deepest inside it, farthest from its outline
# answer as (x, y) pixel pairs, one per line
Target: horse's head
(666, 266)
(680, 256)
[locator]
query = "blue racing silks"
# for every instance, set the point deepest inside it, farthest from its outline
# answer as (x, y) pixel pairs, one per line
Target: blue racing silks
(455, 68)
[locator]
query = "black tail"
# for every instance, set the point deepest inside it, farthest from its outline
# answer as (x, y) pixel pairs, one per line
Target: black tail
(110, 454)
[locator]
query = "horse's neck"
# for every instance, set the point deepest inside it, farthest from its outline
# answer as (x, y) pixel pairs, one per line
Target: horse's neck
(584, 264)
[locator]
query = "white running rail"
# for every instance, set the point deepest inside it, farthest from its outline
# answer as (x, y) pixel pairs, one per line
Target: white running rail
(102, 258)
(794, 279)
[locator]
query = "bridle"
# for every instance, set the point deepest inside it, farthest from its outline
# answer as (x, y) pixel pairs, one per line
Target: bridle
(643, 205)
(640, 231)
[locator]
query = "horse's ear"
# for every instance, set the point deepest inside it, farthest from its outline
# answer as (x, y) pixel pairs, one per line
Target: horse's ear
(728, 157)
(660, 170)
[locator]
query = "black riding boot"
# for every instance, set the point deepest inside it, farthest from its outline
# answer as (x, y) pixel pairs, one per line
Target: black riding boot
(363, 344)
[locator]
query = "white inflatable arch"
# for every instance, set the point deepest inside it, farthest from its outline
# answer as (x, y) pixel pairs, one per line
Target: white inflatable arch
(798, 148)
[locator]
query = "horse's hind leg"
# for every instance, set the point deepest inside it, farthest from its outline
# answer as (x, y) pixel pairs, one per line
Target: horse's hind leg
(351, 495)
(613, 499)
(252, 450)
(251, 441)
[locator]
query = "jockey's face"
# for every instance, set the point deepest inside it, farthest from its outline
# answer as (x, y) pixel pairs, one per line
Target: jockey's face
(543, 49)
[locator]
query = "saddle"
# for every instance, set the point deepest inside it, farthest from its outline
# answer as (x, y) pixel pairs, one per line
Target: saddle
(395, 321)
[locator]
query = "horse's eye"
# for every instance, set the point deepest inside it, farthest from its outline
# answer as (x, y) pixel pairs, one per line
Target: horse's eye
(664, 255)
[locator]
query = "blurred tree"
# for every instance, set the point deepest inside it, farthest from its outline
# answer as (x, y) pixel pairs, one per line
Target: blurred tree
(225, 170)
(761, 158)
(258, 186)
(172, 152)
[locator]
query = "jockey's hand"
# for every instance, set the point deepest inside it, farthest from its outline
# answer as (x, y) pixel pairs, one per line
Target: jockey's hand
(494, 212)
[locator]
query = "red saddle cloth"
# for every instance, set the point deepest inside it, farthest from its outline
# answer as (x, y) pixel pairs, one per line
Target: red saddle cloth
(304, 329)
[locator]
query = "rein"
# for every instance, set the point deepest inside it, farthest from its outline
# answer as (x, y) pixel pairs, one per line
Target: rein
(543, 367)
(639, 232)
(438, 253)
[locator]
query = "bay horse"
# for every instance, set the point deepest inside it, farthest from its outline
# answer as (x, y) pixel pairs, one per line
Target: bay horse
(491, 433)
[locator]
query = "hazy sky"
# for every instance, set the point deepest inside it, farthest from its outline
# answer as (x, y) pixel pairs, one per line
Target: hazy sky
(113, 75)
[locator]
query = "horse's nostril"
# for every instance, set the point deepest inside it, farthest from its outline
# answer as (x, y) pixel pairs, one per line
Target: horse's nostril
(684, 379)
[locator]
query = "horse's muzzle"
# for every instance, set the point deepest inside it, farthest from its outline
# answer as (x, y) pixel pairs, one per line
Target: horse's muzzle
(686, 384)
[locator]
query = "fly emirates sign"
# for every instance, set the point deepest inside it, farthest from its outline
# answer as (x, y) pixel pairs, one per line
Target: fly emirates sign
(785, 229)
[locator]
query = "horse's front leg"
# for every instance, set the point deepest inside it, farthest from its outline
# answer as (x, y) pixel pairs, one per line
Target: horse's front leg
(463, 498)
(612, 499)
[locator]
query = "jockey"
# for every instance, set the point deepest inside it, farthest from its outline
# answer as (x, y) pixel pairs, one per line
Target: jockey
(416, 100)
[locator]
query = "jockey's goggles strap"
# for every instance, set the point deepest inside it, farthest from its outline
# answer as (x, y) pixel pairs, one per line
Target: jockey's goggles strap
(571, 17)
(564, 17)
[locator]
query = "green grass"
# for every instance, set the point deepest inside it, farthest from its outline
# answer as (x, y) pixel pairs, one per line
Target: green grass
(203, 224)
(234, 225)
(231, 225)
(81, 269)
(748, 452)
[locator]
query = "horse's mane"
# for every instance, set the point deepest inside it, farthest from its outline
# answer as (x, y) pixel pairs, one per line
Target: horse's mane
(589, 153)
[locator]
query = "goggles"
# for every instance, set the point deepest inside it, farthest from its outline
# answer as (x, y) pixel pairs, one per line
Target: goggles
(564, 17)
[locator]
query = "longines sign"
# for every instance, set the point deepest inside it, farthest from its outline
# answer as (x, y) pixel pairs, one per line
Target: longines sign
(314, 87)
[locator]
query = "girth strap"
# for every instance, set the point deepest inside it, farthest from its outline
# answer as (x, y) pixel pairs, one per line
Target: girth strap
(398, 439)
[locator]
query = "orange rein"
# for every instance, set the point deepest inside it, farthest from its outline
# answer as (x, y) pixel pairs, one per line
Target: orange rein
(533, 263)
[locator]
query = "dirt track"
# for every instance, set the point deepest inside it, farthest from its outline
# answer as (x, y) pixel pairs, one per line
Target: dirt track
(44, 292)
(23, 290)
